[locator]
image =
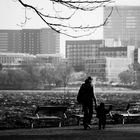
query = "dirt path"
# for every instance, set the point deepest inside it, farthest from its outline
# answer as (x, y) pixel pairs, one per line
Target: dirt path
(113, 132)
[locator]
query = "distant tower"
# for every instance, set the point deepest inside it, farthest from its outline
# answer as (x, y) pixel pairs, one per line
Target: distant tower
(123, 24)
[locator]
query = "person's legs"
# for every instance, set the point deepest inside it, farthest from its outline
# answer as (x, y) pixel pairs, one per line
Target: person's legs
(85, 110)
(100, 123)
(104, 123)
(90, 113)
(86, 117)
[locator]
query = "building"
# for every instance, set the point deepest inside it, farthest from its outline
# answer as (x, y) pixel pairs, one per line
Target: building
(123, 24)
(14, 60)
(113, 52)
(49, 58)
(96, 68)
(137, 55)
(121, 52)
(114, 66)
(10, 41)
(108, 68)
(49, 41)
(110, 42)
(77, 51)
(32, 41)
(99, 67)
(17, 60)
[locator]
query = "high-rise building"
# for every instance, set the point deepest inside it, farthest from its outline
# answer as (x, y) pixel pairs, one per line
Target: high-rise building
(123, 24)
(10, 41)
(31, 41)
(77, 51)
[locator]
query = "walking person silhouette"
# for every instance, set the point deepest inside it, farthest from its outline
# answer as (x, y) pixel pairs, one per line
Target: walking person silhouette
(86, 97)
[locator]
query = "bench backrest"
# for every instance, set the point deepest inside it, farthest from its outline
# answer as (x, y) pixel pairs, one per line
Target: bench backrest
(51, 111)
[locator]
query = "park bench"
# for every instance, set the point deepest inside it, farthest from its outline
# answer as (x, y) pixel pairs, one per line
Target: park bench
(125, 115)
(129, 116)
(48, 113)
(121, 114)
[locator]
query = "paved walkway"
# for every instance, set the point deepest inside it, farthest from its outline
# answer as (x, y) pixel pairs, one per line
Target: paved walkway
(112, 132)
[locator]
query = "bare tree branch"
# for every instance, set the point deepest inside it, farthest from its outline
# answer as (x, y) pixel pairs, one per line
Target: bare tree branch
(60, 23)
(81, 5)
(25, 20)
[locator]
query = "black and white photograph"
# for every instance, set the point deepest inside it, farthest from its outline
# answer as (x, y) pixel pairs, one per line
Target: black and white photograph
(70, 70)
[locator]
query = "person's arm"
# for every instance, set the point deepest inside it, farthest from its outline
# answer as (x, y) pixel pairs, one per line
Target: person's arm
(94, 97)
(96, 107)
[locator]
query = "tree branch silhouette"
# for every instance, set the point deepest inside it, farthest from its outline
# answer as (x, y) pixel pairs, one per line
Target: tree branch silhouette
(61, 23)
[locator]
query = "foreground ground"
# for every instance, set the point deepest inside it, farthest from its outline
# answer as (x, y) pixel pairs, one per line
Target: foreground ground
(112, 132)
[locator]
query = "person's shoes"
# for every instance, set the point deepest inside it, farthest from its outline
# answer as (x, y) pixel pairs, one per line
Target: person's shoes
(85, 127)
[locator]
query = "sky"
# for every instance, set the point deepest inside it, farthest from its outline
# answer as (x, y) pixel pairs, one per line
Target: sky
(12, 14)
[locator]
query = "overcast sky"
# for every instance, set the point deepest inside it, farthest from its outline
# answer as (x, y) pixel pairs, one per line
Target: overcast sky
(11, 14)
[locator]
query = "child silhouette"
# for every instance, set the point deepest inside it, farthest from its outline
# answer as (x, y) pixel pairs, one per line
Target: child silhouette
(101, 114)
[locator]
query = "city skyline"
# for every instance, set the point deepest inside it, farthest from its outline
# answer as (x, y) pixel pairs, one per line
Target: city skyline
(14, 14)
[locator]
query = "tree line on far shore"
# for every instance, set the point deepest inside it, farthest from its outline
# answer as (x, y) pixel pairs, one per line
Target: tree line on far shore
(33, 76)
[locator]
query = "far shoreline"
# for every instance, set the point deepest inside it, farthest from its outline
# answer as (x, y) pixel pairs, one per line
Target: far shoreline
(75, 91)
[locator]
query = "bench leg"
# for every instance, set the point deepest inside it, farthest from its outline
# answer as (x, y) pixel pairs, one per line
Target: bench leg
(32, 123)
(78, 121)
(123, 120)
(60, 124)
